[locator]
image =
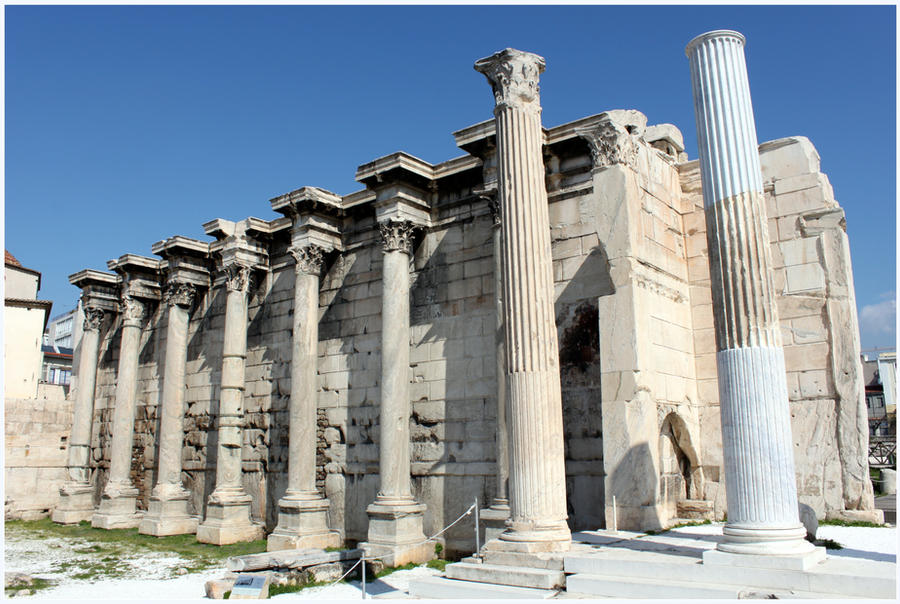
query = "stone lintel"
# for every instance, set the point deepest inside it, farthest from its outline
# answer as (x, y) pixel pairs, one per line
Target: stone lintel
(398, 166)
(667, 133)
(139, 275)
(244, 251)
(476, 138)
(358, 198)
(399, 202)
(308, 200)
(99, 289)
(180, 246)
(185, 260)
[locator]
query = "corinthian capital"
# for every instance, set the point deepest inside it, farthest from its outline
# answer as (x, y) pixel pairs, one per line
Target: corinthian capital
(308, 258)
(132, 310)
(611, 144)
(93, 316)
(180, 293)
(514, 75)
(398, 235)
(237, 277)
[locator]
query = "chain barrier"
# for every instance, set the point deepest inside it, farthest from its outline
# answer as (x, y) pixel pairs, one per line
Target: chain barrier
(363, 558)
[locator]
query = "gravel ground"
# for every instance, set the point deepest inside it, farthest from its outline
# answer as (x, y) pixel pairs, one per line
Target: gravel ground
(153, 576)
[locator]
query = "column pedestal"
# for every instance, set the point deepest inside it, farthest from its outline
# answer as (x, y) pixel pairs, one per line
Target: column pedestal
(118, 508)
(302, 524)
(76, 504)
(395, 533)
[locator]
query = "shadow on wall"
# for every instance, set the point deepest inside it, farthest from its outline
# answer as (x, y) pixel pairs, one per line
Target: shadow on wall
(578, 321)
(635, 479)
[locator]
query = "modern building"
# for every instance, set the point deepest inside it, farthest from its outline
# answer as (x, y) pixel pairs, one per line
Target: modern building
(24, 320)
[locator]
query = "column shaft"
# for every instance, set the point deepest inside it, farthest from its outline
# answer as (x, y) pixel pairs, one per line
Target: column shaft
(756, 430)
(394, 417)
(302, 446)
(231, 395)
(501, 499)
(169, 507)
(537, 486)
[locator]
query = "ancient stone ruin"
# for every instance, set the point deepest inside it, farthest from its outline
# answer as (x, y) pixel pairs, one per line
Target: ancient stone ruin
(530, 324)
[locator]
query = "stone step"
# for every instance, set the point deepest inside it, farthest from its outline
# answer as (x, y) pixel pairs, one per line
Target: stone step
(441, 588)
(849, 578)
(545, 561)
(506, 575)
(643, 587)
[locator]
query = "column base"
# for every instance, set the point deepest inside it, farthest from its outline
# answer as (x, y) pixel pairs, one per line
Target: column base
(302, 524)
(117, 509)
(396, 532)
(530, 537)
(76, 504)
(168, 515)
(795, 562)
(765, 541)
(228, 521)
(494, 520)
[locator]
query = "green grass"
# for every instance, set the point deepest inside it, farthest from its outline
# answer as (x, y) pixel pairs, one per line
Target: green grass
(392, 569)
(438, 564)
(37, 584)
(679, 525)
(839, 522)
(103, 550)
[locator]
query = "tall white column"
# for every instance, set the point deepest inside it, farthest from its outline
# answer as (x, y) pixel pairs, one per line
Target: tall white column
(395, 517)
(537, 485)
(168, 511)
(228, 509)
(303, 512)
(76, 497)
(118, 501)
(756, 429)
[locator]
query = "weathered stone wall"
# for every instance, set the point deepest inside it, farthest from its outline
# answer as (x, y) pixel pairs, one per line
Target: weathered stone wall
(37, 434)
(817, 311)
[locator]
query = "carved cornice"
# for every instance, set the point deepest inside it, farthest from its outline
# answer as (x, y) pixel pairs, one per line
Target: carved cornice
(398, 235)
(611, 144)
(133, 310)
(180, 293)
(308, 259)
(514, 76)
(93, 317)
(237, 277)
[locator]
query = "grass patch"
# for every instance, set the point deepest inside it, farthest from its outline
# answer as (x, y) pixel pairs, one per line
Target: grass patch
(392, 569)
(679, 525)
(829, 544)
(104, 550)
(37, 584)
(438, 564)
(857, 523)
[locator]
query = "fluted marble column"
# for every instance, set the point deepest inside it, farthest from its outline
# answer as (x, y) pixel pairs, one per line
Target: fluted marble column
(228, 509)
(395, 517)
(118, 501)
(168, 511)
(756, 428)
(537, 486)
(76, 502)
(495, 516)
(303, 512)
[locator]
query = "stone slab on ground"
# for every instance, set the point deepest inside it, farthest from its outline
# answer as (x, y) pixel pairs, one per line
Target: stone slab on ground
(289, 559)
(441, 588)
(496, 574)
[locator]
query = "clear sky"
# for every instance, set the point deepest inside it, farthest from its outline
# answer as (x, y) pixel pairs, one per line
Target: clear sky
(126, 125)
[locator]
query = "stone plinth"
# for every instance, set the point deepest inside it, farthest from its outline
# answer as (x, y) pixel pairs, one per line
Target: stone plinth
(756, 430)
(537, 488)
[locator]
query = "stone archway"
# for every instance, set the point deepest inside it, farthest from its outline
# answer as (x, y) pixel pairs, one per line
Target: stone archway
(680, 474)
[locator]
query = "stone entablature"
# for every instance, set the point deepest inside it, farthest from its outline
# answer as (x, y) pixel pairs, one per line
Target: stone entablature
(630, 282)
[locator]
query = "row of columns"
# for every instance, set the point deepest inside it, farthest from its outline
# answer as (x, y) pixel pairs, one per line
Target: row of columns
(756, 428)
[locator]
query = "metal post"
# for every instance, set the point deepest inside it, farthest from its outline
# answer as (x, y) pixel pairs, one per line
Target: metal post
(364, 577)
(477, 530)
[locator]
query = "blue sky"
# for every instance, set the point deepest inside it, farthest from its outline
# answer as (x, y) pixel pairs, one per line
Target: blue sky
(126, 125)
